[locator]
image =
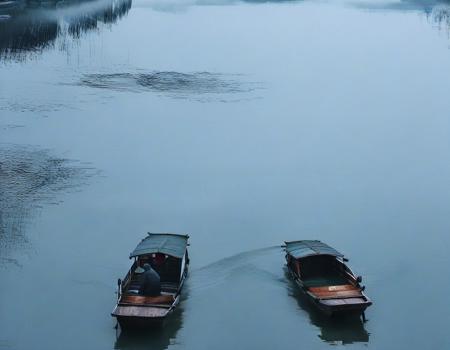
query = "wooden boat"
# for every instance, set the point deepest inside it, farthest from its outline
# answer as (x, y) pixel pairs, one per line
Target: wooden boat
(323, 276)
(134, 310)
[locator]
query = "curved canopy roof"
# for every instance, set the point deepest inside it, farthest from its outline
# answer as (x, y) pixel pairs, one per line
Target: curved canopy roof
(165, 243)
(301, 249)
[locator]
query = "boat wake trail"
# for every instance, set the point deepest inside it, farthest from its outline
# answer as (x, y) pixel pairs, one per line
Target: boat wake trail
(248, 263)
(173, 84)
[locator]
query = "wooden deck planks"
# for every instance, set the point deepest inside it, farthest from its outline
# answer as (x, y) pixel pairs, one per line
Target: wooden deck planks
(140, 311)
(334, 292)
(141, 299)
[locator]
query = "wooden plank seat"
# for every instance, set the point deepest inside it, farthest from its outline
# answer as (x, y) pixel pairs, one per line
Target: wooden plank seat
(143, 300)
(169, 287)
(136, 281)
(334, 292)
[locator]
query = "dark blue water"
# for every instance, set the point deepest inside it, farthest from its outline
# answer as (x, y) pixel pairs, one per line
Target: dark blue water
(243, 124)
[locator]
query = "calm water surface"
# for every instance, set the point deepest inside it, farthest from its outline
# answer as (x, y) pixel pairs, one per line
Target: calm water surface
(243, 124)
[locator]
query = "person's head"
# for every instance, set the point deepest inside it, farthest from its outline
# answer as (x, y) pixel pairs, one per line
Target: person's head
(146, 267)
(139, 270)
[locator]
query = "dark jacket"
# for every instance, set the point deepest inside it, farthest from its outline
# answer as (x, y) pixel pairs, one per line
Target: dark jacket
(151, 283)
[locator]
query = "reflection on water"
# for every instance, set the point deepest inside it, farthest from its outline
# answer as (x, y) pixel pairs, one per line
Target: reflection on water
(350, 142)
(174, 83)
(333, 330)
(27, 28)
(422, 5)
(441, 16)
(182, 5)
(261, 271)
(438, 11)
(29, 178)
(158, 338)
(31, 28)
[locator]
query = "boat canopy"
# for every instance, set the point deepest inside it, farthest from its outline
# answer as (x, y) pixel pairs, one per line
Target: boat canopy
(302, 249)
(166, 243)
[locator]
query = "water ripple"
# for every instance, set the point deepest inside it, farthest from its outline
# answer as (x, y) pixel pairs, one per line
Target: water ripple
(29, 179)
(175, 84)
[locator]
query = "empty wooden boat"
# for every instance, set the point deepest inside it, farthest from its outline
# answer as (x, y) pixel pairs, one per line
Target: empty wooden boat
(168, 255)
(323, 276)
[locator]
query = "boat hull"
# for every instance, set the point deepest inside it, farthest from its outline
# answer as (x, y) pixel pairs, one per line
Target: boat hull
(131, 322)
(140, 316)
(135, 310)
(335, 307)
(341, 307)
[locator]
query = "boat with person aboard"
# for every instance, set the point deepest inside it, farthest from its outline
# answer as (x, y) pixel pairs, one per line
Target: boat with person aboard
(165, 253)
(323, 276)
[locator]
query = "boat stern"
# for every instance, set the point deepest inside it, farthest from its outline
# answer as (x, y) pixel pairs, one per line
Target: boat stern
(139, 316)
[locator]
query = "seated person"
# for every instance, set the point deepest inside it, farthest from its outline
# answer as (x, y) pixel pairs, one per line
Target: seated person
(136, 280)
(151, 283)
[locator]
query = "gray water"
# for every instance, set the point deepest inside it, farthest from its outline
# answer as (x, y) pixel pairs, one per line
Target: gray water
(243, 124)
